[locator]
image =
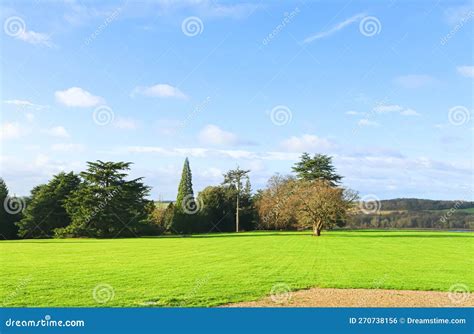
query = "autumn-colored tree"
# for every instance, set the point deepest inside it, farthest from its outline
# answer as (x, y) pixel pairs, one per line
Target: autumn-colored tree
(274, 209)
(289, 203)
(318, 204)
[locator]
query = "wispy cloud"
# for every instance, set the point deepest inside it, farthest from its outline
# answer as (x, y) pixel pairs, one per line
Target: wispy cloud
(306, 142)
(367, 122)
(25, 104)
(395, 108)
(466, 71)
(354, 113)
(409, 112)
(454, 15)
(415, 80)
(11, 130)
(339, 26)
(160, 90)
(35, 38)
(213, 135)
(57, 131)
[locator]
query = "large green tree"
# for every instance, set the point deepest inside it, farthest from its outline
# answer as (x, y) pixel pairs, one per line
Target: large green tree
(45, 211)
(234, 178)
(10, 213)
(217, 214)
(186, 208)
(107, 204)
(318, 167)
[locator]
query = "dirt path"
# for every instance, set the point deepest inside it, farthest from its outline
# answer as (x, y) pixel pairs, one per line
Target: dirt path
(317, 297)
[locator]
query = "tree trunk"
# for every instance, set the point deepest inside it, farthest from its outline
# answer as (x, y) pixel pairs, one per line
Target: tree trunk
(316, 230)
(237, 212)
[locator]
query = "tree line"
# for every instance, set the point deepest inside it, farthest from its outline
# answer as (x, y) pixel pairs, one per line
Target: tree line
(102, 202)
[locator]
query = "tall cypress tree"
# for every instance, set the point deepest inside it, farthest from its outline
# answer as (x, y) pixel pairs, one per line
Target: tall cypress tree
(185, 189)
(186, 206)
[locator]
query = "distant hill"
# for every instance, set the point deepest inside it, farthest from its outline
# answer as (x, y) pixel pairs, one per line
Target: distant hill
(417, 213)
(416, 204)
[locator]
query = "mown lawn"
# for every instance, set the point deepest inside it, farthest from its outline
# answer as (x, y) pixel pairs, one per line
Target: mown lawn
(208, 270)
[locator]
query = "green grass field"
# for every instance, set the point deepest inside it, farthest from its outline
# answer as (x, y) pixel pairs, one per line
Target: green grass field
(209, 270)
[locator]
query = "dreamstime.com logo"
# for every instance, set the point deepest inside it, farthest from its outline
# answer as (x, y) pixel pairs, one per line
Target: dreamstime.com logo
(191, 205)
(46, 322)
(280, 293)
(14, 205)
(192, 26)
(370, 26)
(370, 204)
(103, 293)
(281, 115)
(459, 115)
(14, 26)
(103, 115)
(459, 293)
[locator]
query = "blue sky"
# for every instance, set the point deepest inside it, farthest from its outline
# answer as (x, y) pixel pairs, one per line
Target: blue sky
(385, 88)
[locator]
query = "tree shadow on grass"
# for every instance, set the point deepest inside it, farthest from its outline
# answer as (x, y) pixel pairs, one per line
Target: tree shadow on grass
(226, 235)
(402, 236)
(324, 234)
(335, 234)
(48, 241)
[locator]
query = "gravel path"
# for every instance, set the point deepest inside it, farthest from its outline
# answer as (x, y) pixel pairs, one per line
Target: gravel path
(317, 297)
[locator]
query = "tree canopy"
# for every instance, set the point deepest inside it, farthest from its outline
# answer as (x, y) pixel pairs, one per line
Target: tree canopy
(106, 204)
(45, 211)
(234, 178)
(8, 217)
(318, 167)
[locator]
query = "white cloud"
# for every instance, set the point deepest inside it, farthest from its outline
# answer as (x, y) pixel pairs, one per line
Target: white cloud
(213, 135)
(11, 130)
(78, 97)
(21, 103)
(306, 142)
(35, 38)
(61, 147)
(241, 10)
(200, 152)
(80, 13)
(466, 71)
(335, 28)
(367, 122)
(353, 113)
(409, 112)
(25, 104)
(414, 80)
(160, 90)
(57, 131)
(30, 117)
(125, 123)
(458, 14)
(388, 108)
